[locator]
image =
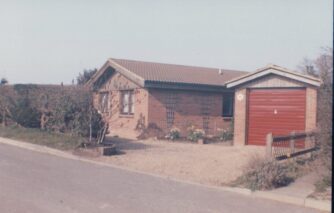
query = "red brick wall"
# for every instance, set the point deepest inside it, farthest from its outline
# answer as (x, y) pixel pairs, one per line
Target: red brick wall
(128, 126)
(190, 109)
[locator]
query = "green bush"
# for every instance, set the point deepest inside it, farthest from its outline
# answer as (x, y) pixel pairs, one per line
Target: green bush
(60, 109)
(262, 174)
(74, 116)
(173, 134)
(24, 114)
(225, 134)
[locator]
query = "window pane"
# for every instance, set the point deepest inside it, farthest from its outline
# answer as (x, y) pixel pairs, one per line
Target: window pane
(132, 106)
(125, 102)
(228, 105)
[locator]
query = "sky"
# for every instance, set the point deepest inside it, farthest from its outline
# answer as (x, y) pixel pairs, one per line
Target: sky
(49, 42)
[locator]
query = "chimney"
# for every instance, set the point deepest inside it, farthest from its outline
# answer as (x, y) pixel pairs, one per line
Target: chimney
(220, 71)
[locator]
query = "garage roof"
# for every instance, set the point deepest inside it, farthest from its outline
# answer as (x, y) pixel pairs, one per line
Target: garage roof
(273, 69)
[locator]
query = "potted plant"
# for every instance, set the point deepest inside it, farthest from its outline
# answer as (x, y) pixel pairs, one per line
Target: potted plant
(196, 135)
(173, 134)
(225, 135)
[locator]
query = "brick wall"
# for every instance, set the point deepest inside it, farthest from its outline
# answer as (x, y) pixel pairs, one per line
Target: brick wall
(240, 117)
(128, 126)
(186, 108)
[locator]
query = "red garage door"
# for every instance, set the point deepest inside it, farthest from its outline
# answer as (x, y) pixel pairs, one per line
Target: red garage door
(279, 111)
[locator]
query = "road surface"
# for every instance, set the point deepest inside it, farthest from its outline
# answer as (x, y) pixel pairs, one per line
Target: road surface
(33, 182)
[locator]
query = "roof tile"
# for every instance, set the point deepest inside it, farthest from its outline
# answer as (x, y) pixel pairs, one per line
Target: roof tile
(171, 73)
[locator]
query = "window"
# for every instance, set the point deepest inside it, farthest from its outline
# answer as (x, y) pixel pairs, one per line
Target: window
(103, 102)
(228, 105)
(170, 100)
(127, 102)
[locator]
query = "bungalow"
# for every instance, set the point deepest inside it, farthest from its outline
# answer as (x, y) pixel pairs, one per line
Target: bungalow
(136, 95)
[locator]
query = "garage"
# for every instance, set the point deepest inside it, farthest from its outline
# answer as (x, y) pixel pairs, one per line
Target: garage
(273, 100)
(278, 111)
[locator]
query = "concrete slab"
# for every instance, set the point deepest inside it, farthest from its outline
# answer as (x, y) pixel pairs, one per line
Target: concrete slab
(279, 197)
(301, 188)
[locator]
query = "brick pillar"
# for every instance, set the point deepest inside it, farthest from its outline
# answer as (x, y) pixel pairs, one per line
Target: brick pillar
(240, 117)
(311, 109)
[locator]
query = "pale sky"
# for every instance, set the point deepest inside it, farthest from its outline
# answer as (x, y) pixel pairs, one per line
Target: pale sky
(51, 41)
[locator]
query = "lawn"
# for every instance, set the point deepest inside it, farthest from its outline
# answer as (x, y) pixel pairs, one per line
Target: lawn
(37, 136)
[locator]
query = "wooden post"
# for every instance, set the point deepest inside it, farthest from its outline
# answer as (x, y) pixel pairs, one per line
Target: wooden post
(269, 143)
(292, 142)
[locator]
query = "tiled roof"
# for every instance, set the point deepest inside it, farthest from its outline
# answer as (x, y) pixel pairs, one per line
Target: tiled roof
(277, 70)
(171, 73)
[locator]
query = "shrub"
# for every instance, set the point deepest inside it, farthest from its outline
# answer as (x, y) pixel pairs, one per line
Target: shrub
(173, 134)
(24, 114)
(225, 134)
(262, 174)
(152, 130)
(64, 109)
(195, 134)
(74, 115)
(324, 183)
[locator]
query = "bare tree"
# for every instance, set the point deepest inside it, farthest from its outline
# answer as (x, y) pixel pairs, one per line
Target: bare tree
(307, 66)
(324, 64)
(322, 67)
(44, 109)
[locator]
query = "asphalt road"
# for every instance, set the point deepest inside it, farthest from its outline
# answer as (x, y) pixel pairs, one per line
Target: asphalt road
(40, 183)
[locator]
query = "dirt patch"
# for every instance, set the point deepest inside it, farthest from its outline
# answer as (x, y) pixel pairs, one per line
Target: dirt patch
(324, 195)
(214, 164)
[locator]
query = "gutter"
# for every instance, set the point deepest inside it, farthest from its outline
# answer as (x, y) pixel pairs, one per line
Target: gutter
(185, 86)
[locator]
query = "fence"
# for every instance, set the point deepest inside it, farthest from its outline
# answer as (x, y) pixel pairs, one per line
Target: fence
(292, 145)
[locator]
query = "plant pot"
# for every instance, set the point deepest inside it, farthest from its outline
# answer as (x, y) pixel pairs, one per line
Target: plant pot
(107, 150)
(201, 141)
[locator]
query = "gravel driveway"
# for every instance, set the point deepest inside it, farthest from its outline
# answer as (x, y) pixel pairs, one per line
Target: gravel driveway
(213, 164)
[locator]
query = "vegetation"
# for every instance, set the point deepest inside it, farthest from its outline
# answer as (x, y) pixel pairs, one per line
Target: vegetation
(37, 136)
(263, 174)
(3, 81)
(195, 134)
(322, 67)
(174, 134)
(24, 114)
(323, 184)
(58, 109)
(225, 134)
(85, 76)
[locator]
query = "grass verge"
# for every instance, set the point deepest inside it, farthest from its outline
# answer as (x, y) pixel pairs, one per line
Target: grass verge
(37, 136)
